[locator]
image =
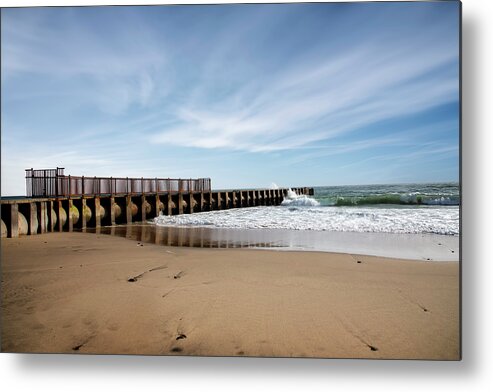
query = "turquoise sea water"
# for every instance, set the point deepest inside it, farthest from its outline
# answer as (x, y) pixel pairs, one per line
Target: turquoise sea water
(436, 194)
(402, 209)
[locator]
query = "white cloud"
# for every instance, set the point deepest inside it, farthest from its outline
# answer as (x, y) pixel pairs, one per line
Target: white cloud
(316, 101)
(111, 72)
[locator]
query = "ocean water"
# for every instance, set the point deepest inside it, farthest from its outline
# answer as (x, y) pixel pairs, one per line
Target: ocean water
(398, 209)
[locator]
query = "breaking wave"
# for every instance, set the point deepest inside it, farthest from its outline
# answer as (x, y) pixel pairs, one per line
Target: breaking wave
(406, 199)
(409, 220)
(292, 199)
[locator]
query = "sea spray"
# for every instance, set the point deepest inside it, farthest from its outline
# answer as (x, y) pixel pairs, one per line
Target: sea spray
(292, 199)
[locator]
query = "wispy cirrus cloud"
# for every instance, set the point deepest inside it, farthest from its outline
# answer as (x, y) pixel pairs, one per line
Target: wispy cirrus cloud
(319, 100)
(110, 69)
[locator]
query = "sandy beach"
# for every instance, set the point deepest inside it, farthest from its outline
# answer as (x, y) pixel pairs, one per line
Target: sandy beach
(90, 293)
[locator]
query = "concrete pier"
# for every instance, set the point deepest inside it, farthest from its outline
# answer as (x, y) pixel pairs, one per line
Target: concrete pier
(31, 216)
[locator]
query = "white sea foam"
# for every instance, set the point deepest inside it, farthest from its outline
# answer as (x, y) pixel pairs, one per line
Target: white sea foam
(410, 220)
(292, 199)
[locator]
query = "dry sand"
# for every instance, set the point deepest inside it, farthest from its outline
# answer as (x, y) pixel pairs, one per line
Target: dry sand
(70, 293)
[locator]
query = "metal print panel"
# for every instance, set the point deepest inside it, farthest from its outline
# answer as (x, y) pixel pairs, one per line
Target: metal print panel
(268, 180)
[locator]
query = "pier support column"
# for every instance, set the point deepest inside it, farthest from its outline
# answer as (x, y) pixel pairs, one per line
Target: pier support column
(169, 201)
(33, 219)
(129, 209)
(226, 201)
(234, 198)
(143, 208)
(50, 211)
(158, 202)
(97, 212)
(159, 205)
(202, 201)
(180, 203)
(219, 201)
(14, 221)
(42, 217)
(112, 211)
(58, 210)
(83, 213)
(190, 200)
(69, 215)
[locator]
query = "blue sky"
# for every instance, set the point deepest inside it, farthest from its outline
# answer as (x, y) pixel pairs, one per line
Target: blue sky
(295, 94)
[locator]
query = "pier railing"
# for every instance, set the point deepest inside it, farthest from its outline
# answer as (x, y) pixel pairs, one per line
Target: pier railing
(53, 182)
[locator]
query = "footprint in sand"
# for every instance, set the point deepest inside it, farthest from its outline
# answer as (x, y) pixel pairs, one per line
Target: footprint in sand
(135, 278)
(412, 301)
(84, 342)
(113, 327)
(356, 333)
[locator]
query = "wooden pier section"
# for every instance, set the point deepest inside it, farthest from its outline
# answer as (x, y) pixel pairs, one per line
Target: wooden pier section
(37, 215)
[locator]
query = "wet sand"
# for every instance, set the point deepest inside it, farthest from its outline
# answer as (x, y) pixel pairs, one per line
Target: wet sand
(92, 293)
(429, 247)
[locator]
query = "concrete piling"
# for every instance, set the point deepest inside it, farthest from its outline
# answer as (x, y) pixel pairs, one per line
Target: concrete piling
(181, 203)
(129, 209)
(97, 210)
(33, 219)
(4, 229)
(11, 216)
(113, 210)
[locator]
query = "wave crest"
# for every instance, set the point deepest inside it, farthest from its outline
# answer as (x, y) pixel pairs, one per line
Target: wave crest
(292, 199)
(405, 199)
